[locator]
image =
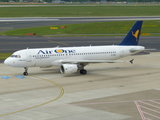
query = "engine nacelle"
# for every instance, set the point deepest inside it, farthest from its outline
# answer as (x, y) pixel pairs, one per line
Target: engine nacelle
(68, 68)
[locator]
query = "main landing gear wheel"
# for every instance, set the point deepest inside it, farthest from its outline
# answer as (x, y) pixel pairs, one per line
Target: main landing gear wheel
(25, 72)
(83, 71)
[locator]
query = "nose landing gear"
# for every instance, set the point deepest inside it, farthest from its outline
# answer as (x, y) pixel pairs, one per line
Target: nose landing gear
(25, 72)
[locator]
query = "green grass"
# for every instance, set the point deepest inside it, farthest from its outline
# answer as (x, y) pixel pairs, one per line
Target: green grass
(78, 11)
(88, 28)
(4, 55)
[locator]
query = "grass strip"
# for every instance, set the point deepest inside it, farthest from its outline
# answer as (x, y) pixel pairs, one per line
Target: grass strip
(79, 11)
(4, 55)
(108, 28)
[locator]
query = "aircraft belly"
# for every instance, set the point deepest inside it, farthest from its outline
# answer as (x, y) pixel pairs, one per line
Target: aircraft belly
(41, 63)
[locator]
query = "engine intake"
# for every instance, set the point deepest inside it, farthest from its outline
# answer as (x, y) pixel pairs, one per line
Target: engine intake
(68, 68)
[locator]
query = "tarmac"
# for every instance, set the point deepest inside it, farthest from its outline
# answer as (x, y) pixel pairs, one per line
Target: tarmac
(115, 91)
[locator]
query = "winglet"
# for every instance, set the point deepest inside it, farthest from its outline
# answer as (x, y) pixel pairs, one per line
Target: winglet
(131, 61)
(132, 38)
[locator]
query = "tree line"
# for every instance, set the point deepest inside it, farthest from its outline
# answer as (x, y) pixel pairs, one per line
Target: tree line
(135, 0)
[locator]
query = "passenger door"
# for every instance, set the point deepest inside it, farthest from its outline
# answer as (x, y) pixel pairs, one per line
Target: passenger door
(121, 52)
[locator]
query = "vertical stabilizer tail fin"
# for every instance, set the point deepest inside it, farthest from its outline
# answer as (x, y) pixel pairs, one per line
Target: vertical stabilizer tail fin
(132, 38)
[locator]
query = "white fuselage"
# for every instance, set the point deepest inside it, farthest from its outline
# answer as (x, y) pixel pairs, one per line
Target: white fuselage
(46, 57)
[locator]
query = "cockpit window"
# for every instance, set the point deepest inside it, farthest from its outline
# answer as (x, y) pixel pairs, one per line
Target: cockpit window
(16, 56)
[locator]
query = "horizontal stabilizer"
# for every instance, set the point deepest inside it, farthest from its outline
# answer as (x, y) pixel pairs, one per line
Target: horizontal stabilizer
(150, 49)
(138, 50)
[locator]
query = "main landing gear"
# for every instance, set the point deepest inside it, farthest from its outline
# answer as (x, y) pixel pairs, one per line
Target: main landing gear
(81, 68)
(25, 72)
(83, 71)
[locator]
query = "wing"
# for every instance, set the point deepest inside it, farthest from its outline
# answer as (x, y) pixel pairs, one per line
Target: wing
(95, 61)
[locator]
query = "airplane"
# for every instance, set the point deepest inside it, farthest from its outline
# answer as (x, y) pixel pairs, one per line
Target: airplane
(74, 59)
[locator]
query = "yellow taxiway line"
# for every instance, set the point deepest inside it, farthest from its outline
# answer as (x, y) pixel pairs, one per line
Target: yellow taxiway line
(60, 95)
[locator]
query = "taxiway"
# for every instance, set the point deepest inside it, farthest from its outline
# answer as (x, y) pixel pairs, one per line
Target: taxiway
(10, 44)
(120, 91)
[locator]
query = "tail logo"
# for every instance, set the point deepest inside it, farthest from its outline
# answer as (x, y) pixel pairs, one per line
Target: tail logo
(136, 34)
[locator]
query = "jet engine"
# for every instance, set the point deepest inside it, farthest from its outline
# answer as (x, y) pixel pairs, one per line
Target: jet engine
(68, 68)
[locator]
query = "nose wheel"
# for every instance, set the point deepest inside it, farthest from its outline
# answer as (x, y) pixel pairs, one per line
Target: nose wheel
(25, 72)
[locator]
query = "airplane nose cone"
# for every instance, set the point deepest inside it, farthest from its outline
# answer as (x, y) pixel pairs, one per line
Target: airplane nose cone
(6, 62)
